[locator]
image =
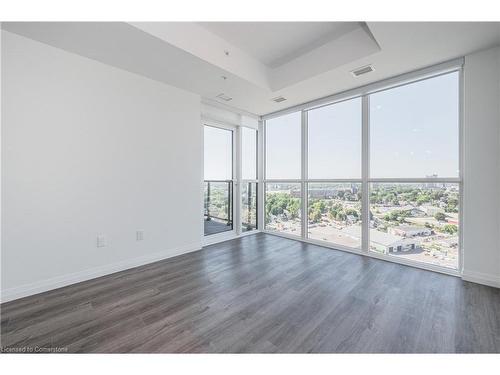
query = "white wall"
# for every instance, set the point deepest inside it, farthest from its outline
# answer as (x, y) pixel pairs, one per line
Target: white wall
(482, 167)
(88, 149)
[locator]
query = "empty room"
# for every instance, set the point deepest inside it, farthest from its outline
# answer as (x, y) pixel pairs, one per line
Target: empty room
(250, 187)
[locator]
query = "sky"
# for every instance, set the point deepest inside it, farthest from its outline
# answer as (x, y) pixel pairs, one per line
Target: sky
(334, 134)
(414, 133)
(283, 147)
(218, 151)
(415, 129)
(248, 154)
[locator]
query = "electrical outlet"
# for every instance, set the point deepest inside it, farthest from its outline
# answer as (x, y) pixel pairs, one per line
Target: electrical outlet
(101, 240)
(139, 235)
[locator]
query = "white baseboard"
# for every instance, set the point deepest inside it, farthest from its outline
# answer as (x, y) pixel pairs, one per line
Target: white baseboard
(481, 278)
(65, 280)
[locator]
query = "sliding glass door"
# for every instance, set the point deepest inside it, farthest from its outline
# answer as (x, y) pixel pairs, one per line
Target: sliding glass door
(377, 173)
(218, 180)
(230, 179)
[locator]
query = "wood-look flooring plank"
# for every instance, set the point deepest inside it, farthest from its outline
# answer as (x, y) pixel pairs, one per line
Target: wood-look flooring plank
(261, 294)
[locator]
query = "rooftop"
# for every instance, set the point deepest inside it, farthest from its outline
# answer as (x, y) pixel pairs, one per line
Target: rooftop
(376, 236)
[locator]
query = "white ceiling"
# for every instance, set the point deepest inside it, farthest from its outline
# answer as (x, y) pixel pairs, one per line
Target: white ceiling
(276, 43)
(234, 52)
(192, 57)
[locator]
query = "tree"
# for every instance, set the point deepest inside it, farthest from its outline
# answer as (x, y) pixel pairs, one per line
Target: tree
(293, 207)
(452, 205)
(352, 212)
(278, 203)
(422, 199)
(439, 216)
(397, 215)
(450, 229)
(322, 206)
(315, 216)
(341, 216)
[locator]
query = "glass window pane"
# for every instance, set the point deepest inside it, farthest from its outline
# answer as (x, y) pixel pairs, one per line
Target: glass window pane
(248, 206)
(218, 207)
(218, 153)
(334, 213)
(283, 145)
(416, 221)
(283, 208)
(334, 137)
(414, 129)
(248, 154)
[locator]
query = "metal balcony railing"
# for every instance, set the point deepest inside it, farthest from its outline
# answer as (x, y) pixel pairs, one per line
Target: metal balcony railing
(218, 213)
(249, 206)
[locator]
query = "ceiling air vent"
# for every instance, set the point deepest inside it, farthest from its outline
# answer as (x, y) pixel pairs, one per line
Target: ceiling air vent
(224, 97)
(363, 70)
(278, 99)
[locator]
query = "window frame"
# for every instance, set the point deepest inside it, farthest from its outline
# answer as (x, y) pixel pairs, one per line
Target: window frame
(241, 181)
(366, 180)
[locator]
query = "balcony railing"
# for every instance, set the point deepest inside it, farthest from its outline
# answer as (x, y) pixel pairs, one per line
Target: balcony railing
(218, 206)
(248, 206)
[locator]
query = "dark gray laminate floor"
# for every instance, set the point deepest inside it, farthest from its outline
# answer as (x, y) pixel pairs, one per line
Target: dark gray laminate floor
(261, 293)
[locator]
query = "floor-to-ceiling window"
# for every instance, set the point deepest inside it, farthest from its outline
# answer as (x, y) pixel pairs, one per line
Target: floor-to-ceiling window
(377, 172)
(248, 184)
(283, 174)
(414, 171)
(334, 173)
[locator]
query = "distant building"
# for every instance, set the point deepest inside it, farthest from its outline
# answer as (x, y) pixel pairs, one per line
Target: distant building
(434, 185)
(431, 184)
(410, 231)
(388, 243)
(333, 193)
(351, 219)
(382, 242)
(416, 212)
(431, 210)
(321, 193)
